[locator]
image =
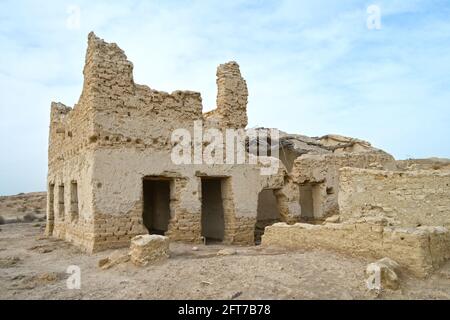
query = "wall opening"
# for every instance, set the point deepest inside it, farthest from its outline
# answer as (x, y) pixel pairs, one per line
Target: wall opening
(312, 200)
(213, 220)
(307, 202)
(61, 209)
(51, 208)
(268, 212)
(156, 213)
(74, 211)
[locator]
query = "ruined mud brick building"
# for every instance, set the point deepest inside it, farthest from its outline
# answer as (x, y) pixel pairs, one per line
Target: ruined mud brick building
(395, 209)
(111, 176)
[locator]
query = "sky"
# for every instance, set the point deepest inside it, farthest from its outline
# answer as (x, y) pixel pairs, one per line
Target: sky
(312, 67)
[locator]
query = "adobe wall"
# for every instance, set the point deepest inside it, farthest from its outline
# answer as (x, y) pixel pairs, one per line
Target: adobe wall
(419, 250)
(232, 98)
(410, 198)
(423, 164)
(120, 132)
(70, 160)
(128, 115)
(136, 116)
(62, 221)
(119, 195)
(321, 171)
(133, 129)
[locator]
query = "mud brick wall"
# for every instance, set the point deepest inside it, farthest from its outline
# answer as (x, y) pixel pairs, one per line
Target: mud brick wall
(185, 222)
(232, 97)
(119, 133)
(185, 226)
(410, 198)
(322, 171)
(420, 250)
(116, 231)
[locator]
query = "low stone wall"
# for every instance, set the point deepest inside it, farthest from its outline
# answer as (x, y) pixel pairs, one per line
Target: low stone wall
(410, 198)
(419, 250)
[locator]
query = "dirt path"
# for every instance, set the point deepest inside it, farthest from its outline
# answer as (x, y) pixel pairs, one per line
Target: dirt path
(32, 267)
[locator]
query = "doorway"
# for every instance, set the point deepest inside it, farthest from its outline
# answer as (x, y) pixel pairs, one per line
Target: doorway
(268, 212)
(307, 202)
(213, 220)
(312, 201)
(156, 213)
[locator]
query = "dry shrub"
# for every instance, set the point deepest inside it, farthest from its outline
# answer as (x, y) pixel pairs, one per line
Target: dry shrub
(29, 217)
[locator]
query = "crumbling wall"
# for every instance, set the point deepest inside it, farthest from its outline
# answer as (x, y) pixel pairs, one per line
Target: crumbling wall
(70, 161)
(321, 172)
(420, 250)
(232, 97)
(128, 115)
(423, 164)
(119, 132)
(341, 144)
(410, 198)
(133, 128)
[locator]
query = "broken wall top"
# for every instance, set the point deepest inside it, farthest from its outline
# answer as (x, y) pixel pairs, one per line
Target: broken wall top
(113, 111)
(232, 98)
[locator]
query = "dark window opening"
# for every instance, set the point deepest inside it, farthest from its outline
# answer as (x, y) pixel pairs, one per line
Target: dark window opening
(51, 208)
(61, 209)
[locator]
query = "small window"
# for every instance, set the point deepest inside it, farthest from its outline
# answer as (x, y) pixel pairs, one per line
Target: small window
(74, 200)
(51, 208)
(61, 209)
(51, 196)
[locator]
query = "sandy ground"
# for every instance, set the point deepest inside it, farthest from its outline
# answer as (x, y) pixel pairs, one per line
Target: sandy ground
(34, 267)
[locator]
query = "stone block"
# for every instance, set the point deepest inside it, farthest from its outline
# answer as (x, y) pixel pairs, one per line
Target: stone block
(147, 249)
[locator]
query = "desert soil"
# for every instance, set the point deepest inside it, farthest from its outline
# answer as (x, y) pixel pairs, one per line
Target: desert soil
(24, 206)
(34, 267)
